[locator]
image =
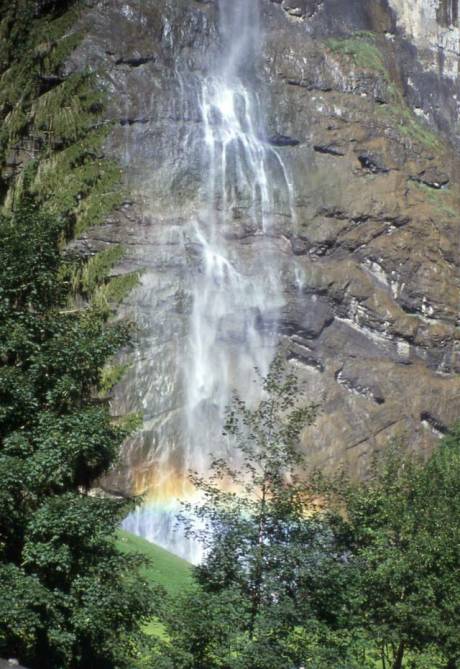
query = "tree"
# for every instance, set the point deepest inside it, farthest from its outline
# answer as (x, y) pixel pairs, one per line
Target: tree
(370, 579)
(439, 512)
(68, 598)
(403, 524)
(264, 589)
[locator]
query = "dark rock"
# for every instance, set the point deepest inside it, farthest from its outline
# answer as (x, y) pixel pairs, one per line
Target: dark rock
(435, 423)
(283, 140)
(135, 61)
(299, 246)
(432, 177)
(133, 121)
(48, 82)
(330, 149)
(372, 163)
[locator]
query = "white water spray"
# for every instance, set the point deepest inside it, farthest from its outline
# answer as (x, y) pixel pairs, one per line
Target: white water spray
(235, 287)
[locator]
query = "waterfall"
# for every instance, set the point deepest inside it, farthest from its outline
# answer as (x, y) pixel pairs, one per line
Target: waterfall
(235, 297)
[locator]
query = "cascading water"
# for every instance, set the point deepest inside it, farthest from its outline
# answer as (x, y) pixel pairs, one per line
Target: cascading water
(235, 297)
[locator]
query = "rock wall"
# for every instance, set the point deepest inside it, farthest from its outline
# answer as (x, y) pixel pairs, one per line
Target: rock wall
(361, 102)
(432, 25)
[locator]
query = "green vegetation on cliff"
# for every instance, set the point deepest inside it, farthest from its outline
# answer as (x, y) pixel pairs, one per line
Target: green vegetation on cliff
(362, 51)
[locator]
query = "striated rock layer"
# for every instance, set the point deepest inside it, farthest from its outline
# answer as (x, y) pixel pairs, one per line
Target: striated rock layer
(361, 102)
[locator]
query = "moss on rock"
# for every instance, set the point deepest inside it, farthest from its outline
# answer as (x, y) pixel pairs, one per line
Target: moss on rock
(362, 51)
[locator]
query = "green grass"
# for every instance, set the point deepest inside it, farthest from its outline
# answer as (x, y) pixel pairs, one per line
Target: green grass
(361, 50)
(166, 569)
(403, 119)
(415, 130)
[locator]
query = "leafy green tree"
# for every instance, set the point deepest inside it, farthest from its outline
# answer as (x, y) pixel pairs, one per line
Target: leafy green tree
(68, 598)
(404, 530)
(265, 589)
(371, 580)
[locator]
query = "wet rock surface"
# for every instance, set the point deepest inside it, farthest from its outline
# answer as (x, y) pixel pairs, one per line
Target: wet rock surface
(365, 118)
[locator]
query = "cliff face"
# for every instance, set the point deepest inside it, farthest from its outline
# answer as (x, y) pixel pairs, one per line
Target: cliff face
(361, 102)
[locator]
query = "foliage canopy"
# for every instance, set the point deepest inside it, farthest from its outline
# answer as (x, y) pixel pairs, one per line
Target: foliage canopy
(368, 578)
(68, 597)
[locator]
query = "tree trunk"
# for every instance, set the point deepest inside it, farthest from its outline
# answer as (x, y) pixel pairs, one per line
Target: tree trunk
(452, 664)
(258, 571)
(383, 656)
(397, 664)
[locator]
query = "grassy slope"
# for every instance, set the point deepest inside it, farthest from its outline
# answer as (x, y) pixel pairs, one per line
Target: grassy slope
(166, 569)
